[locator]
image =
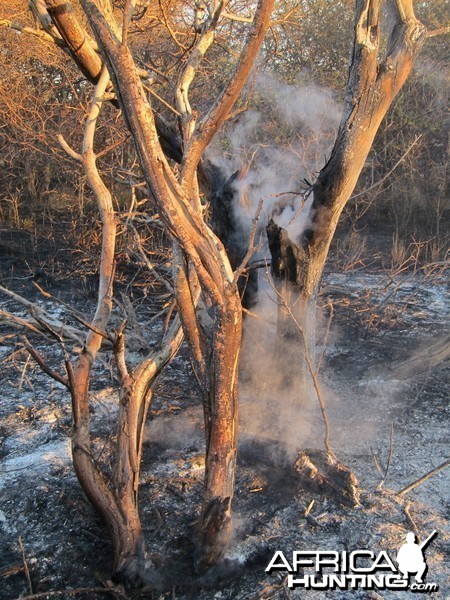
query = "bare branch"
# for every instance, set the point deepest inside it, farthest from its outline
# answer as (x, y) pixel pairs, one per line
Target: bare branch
(44, 365)
(76, 38)
(439, 31)
(389, 173)
(68, 149)
(422, 479)
(42, 35)
(234, 17)
(22, 323)
(147, 262)
(44, 318)
(251, 245)
(216, 116)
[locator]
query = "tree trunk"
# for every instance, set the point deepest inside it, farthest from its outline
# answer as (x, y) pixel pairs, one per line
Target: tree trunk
(371, 88)
(224, 202)
(221, 422)
(289, 261)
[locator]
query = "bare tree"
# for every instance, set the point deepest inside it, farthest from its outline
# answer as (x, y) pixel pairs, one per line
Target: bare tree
(201, 269)
(205, 284)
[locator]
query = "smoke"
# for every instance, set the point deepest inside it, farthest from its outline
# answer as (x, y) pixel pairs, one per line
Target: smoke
(278, 149)
(309, 106)
(278, 405)
(274, 148)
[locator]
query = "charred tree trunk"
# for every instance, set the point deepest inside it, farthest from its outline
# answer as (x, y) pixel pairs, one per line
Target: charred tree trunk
(289, 261)
(224, 202)
(372, 86)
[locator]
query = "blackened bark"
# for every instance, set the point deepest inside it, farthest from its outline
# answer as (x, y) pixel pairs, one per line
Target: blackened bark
(224, 199)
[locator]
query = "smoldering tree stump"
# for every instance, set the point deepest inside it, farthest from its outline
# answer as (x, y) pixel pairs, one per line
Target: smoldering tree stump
(323, 474)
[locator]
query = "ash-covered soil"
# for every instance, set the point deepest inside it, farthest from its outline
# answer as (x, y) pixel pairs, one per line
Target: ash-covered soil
(378, 407)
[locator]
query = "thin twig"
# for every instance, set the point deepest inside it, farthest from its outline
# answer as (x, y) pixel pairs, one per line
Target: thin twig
(389, 173)
(23, 375)
(251, 245)
(147, 262)
(11, 356)
(391, 449)
(75, 313)
(409, 517)
(25, 566)
(421, 480)
(388, 461)
(43, 364)
(325, 339)
(19, 321)
(311, 369)
(376, 462)
(46, 37)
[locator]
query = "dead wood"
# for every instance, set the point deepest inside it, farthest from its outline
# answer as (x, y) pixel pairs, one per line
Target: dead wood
(324, 475)
(25, 565)
(422, 479)
(10, 570)
(40, 315)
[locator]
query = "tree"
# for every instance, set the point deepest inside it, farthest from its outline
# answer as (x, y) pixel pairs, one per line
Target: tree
(374, 81)
(205, 281)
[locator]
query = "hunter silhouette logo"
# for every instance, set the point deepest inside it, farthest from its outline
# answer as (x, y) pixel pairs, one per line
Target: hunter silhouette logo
(410, 557)
(359, 569)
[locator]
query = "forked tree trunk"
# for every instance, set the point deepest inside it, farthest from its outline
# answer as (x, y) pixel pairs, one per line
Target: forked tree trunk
(115, 501)
(372, 86)
(215, 347)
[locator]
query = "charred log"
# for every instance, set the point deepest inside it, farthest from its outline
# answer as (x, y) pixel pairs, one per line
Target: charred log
(323, 474)
(288, 257)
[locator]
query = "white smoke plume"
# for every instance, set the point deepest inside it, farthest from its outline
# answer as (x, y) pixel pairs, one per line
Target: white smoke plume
(282, 147)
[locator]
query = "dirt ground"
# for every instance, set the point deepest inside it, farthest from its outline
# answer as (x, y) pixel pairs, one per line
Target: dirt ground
(386, 398)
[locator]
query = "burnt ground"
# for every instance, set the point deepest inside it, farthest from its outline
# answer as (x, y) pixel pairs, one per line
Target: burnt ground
(376, 407)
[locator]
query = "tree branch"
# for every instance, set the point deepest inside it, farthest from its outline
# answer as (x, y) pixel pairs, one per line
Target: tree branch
(216, 116)
(43, 35)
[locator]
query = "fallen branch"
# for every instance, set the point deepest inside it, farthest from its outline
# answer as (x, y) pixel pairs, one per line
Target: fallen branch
(25, 565)
(15, 320)
(422, 479)
(75, 313)
(10, 570)
(41, 316)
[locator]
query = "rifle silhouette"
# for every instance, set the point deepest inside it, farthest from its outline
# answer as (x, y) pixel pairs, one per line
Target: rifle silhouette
(424, 544)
